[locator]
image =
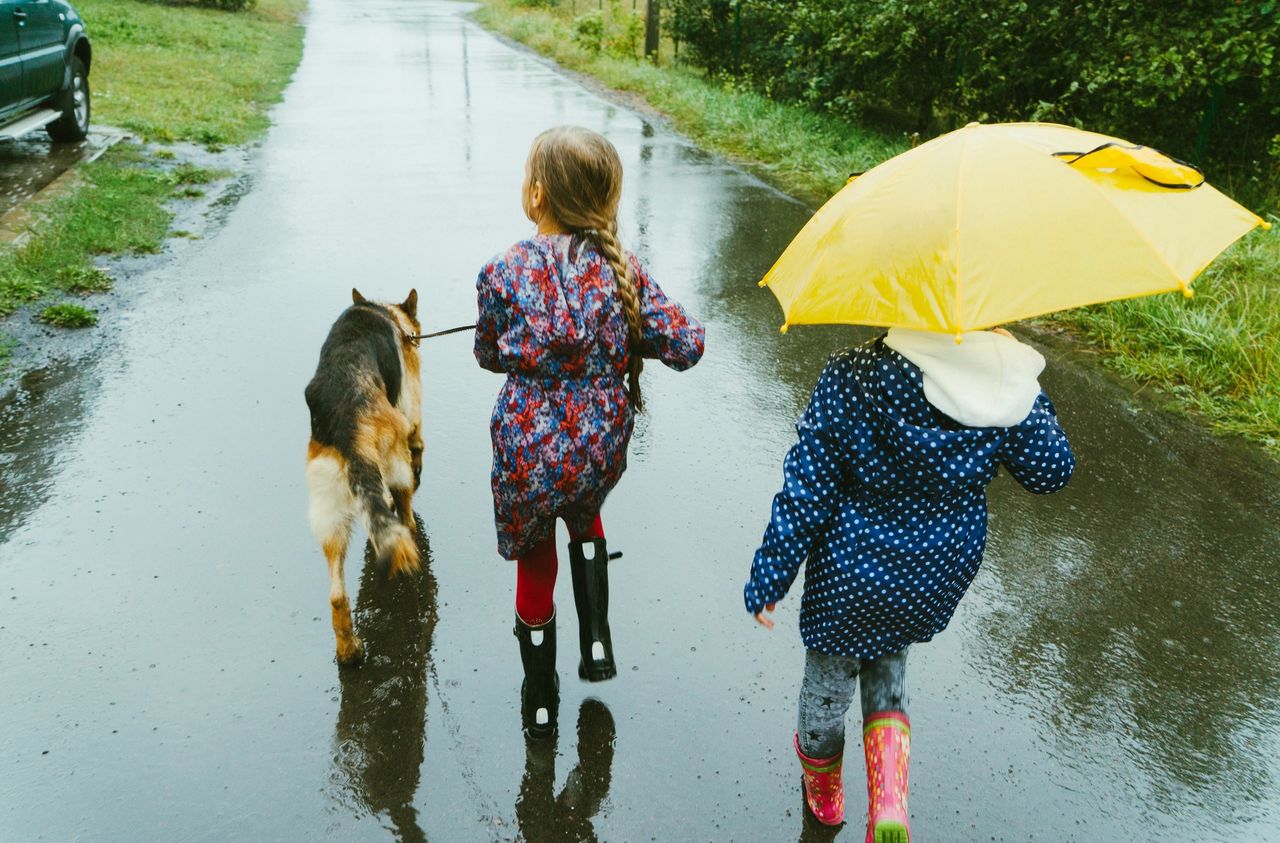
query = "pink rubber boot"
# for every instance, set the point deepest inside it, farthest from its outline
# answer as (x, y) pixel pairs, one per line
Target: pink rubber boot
(886, 736)
(823, 786)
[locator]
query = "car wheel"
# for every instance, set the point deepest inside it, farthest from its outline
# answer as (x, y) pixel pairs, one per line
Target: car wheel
(73, 125)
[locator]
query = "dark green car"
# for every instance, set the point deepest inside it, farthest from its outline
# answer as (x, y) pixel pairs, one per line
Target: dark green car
(44, 70)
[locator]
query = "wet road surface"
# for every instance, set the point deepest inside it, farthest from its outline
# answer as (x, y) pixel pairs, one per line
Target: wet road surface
(165, 646)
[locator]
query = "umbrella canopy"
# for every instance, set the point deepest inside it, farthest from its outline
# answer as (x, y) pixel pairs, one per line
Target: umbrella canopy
(994, 223)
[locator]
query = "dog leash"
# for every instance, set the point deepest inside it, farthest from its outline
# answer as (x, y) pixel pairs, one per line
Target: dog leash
(460, 328)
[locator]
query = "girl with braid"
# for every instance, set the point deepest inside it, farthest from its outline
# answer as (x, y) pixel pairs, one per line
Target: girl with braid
(569, 316)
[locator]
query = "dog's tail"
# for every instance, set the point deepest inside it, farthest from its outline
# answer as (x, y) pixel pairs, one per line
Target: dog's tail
(393, 542)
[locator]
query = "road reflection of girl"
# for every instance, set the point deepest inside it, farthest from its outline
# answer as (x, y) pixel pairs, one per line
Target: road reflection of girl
(545, 817)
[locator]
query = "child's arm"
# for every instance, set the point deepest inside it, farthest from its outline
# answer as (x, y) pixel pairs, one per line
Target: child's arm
(813, 478)
(491, 317)
(1037, 452)
(668, 333)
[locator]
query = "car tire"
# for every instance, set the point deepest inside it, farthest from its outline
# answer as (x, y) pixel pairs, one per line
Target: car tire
(73, 125)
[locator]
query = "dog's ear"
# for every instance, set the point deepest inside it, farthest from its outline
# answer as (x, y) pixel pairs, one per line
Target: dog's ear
(410, 305)
(356, 298)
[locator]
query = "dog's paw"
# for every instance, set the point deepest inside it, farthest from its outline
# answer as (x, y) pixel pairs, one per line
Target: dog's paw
(404, 561)
(402, 556)
(350, 654)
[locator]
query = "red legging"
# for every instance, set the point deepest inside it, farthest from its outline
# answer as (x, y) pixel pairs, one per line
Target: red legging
(536, 576)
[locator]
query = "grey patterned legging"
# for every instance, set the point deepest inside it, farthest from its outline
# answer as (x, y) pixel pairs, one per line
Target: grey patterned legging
(827, 693)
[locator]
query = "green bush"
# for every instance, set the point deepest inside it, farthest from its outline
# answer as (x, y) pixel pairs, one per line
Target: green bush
(1196, 78)
(616, 32)
(588, 31)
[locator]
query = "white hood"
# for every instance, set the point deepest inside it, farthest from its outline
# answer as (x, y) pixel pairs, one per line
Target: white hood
(988, 380)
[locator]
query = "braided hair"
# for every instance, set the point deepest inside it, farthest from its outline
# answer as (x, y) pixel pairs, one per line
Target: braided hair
(581, 176)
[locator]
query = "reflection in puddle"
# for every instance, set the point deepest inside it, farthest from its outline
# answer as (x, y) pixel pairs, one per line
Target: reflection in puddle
(38, 423)
(381, 731)
(1135, 617)
(812, 831)
(541, 814)
(1142, 624)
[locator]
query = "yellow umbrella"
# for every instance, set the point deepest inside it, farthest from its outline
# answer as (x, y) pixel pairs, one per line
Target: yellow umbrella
(994, 223)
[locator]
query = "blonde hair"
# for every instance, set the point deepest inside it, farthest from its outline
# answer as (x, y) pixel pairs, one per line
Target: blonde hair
(581, 176)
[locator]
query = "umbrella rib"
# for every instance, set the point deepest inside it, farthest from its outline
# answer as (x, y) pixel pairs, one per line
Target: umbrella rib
(964, 149)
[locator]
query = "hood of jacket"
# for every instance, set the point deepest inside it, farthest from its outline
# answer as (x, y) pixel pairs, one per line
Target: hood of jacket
(987, 380)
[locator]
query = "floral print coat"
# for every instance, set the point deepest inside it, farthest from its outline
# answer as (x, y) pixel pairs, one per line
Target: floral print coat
(550, 318)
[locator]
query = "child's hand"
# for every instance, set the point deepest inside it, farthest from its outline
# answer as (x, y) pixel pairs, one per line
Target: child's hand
(764, 621)
(1002, 332)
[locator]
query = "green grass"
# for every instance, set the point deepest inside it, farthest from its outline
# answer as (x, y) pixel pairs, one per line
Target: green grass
(189, 174)
(1217, 354)
(85, 280)
(183, 73)
(68, 315)
(118, 210)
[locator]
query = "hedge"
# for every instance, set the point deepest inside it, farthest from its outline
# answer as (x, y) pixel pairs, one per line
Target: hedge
(1196, 78)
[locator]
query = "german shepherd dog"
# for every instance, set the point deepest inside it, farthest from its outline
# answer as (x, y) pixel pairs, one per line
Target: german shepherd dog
(365, 454)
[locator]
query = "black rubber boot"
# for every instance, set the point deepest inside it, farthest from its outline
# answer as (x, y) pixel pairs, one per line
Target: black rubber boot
(589, 561)
(540, 691)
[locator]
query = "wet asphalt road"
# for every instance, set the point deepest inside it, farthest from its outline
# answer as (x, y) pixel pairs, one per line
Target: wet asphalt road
(165, 650)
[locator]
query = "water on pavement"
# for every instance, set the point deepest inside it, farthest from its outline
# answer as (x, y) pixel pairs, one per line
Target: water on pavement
(165, 646)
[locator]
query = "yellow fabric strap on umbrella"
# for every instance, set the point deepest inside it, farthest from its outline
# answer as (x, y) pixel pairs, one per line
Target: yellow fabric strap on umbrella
(1153, 165)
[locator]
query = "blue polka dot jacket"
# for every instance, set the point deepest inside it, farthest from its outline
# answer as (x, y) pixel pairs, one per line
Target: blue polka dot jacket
(884, 500)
